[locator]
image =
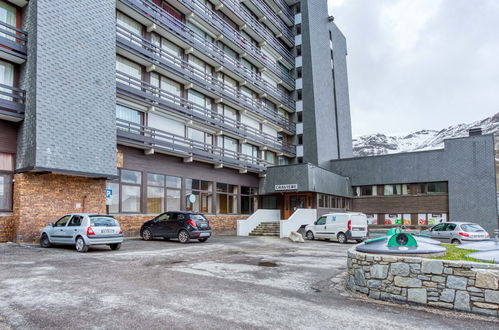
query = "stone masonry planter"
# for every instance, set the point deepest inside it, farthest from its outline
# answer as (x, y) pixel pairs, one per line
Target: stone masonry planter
(458, 285)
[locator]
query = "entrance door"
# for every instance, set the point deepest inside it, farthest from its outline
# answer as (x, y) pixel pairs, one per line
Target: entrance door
(293, 202)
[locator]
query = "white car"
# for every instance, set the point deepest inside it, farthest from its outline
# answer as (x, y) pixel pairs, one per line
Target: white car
(83, 230)
(340, 226)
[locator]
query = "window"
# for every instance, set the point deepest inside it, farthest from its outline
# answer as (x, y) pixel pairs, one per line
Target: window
(270, 157)
(169, 9)
(129, 24)
(437, 188)
(8, 15)
(299, 72)
(198, 194)
(6, 169)
(199, 99)
(126, 193)
(299, 95)
(250, 151)
(229, 145)
(113, 203)
(422, 188)
(283, 160)
(300, 139)
(321, 221)
(128, 114)
(405, 189)
(167, 85)
(298, 51)
(298, 29)
(168, 49)
(439, 227)
(163, 193)
(6, 78)
(366, 190)
(75, 221)
(226, 198)
(62, 221)
(299, 117)
(249, 200)
(129, 68)
(392, 189)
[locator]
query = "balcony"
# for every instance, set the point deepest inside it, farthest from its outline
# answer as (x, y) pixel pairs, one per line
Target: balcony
(257, 25)
(163, 19)
(262, 7)
(285, 9)
(148, 94)
(13, 43)
(188, 73)
(11, 103)
(145, 137)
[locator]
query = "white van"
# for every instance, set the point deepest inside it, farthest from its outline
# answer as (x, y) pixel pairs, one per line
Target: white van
(340, 226)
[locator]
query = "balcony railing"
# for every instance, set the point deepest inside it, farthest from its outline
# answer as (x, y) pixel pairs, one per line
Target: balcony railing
(212, 18)
(275, 19)
(182, 31)
(151, 138)
(12, 101)
(154, 54)
(145, 92)
(249, 19)
(13, 39)
(285, 8)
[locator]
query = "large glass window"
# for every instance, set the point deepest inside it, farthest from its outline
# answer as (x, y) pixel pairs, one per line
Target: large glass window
(226, 198)
(163, 193)
(129, 68)
(8, 16)
(6, 169)
(6, 78)
(249, 200)
(270, 157)
(392, 189)
(128, 114)
(198, 195)
(166, 84)
(129, 24)
(126, 193)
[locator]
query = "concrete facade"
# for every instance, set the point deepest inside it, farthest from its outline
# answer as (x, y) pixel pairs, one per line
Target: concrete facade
(69, 124)
(467, 164)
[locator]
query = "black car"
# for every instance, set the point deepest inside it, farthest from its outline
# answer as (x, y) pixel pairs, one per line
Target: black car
(177, 224)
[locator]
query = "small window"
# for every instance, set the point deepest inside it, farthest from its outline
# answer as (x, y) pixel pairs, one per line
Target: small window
(300, 139)
(75, 221)
(437, 188)
(439, 227)
(164, 217)
(321, 221)
(450, 227)
(299, 72)
(298, 51)
(101, 221)
(299, 117)
(62, 221)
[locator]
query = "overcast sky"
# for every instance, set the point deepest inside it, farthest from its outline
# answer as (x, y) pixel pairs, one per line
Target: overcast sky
(420, 64)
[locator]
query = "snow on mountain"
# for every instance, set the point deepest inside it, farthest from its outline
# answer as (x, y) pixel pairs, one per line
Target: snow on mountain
(380, 144)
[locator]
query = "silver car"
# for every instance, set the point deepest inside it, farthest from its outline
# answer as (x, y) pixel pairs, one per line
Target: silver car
(457, 232)
(83, 230)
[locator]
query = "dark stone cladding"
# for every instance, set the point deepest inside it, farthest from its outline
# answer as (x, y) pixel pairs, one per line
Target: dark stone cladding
(69, 79)
(467, 164)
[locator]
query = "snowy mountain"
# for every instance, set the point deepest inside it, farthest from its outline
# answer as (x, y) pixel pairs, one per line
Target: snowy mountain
(379, 144)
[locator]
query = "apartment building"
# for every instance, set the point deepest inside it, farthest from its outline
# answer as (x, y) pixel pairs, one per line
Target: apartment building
(136, 107)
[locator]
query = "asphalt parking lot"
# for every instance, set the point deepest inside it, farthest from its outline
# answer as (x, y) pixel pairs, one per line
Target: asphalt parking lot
(227, 283)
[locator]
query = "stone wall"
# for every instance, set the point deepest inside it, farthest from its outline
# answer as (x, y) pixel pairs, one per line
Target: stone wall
(219, 223)
(462, 286)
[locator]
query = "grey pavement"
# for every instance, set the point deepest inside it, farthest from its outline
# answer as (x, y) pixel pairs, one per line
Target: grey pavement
(226, 283)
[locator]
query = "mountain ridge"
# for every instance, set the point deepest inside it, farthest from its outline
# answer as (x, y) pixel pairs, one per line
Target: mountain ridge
(425, 139)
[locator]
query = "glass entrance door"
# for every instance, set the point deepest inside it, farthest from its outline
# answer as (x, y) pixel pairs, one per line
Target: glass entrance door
(294, 202)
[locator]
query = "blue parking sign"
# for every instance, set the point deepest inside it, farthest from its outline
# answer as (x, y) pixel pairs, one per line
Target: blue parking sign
(109, 193)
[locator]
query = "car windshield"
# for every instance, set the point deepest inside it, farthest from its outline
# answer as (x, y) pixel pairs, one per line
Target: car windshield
(472, 228)
(103, 222)
(197, 217)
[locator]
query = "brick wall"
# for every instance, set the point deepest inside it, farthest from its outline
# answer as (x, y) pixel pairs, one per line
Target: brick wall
(7, 227)
(219, 223)
(43, 198)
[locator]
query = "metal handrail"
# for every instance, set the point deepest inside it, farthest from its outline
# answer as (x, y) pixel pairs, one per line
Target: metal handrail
(248, 18)
(183, 68)
(157, 139)
(13, 38)
(17, 94)
(181, 30)
(264, 7)
(171, 101)
(227, 30)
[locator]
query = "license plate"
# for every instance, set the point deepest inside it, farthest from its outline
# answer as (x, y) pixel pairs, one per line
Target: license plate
(204, 234)
(107, 231)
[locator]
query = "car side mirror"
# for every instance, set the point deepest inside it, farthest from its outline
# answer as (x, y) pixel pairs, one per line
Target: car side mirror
(315, 222)
(51, 224)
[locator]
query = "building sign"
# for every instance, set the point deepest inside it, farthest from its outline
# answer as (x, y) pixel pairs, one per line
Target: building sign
(283, 187)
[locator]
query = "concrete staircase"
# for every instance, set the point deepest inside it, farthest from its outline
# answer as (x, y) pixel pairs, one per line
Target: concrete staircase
(266, 229)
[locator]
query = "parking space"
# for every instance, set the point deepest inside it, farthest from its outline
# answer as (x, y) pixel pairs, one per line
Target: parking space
(228, 282)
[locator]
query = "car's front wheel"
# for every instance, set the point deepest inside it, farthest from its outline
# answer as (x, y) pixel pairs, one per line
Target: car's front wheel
(115, 246)
(183, 237)
(81, 246)
(146, 235)
(342, 238)
(310, 235)
(45, 241)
